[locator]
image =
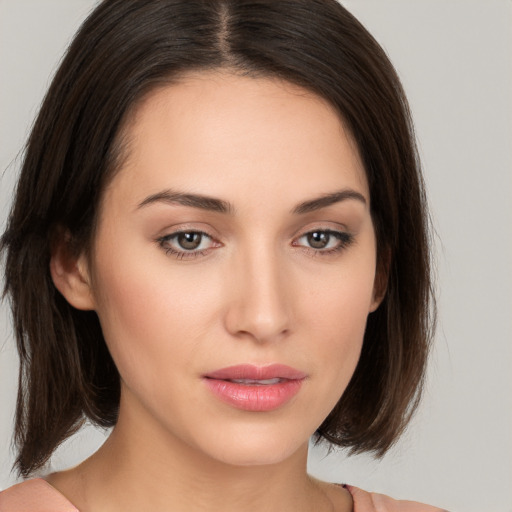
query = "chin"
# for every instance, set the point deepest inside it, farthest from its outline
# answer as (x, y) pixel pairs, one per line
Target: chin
(248, 447)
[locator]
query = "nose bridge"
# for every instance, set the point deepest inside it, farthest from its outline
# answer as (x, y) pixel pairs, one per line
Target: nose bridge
(259, 307)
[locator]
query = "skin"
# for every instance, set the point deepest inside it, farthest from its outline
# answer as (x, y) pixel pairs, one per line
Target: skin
(255, 292)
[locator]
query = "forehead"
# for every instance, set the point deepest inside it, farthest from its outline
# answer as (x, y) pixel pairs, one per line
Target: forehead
(216, 131)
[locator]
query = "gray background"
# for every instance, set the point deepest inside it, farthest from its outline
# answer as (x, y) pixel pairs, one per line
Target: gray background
(455, 59)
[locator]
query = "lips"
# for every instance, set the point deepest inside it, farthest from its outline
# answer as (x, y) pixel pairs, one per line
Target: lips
(249, 371)
(255, 388)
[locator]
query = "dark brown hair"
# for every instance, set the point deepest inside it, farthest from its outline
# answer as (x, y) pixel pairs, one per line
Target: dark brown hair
(127, 48)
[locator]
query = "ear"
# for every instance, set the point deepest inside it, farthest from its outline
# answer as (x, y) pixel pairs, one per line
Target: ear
(380, 284)
(70, 273)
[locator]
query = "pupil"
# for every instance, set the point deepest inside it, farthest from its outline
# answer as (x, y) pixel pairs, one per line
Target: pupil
(318, 240)
(189, 241)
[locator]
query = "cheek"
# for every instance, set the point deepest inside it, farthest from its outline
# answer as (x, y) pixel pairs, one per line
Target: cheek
(154, 319)
(337, 314)
(338, 330)
(340, 296)
(148, 316)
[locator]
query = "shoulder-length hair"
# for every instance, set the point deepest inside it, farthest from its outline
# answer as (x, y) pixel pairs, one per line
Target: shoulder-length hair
(125, 49)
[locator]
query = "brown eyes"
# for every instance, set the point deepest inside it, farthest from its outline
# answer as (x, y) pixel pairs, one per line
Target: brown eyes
(189, 240)
(188, 244)
(324, 241)
(192, 244)
(318, 239)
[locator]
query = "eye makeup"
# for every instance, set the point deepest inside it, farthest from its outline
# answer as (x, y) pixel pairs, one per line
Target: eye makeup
(189, 243)
(324, 242)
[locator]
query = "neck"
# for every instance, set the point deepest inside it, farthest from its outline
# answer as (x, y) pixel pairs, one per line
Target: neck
(141, 467)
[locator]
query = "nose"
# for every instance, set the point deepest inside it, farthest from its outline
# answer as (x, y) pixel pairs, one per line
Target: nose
(259, 308)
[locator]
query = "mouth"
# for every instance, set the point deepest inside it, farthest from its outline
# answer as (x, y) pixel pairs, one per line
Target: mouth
(255, 388)
(255, 382)
(249, 372)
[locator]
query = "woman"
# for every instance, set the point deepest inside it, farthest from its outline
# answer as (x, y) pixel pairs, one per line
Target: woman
(222, 221)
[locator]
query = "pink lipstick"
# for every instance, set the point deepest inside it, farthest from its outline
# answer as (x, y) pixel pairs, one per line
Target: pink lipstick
(255, 388)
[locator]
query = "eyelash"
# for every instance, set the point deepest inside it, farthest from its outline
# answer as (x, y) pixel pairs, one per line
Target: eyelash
(184, 254)
(345, 240)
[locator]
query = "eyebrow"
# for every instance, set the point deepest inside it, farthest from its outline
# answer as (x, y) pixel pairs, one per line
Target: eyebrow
(220, 206)
(327, 200)
(193, 200)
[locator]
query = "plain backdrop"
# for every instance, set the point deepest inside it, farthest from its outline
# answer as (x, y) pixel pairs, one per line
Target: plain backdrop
(455, 60)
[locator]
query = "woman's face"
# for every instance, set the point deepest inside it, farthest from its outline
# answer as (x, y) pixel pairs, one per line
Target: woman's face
(236, 234)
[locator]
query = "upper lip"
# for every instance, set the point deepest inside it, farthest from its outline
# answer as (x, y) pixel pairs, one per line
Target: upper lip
(254, 372)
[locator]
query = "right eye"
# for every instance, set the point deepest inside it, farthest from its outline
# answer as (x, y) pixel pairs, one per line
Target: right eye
(187, 244)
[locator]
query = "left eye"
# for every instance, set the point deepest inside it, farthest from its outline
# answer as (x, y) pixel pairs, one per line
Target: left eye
(187, 241)
(324, 240)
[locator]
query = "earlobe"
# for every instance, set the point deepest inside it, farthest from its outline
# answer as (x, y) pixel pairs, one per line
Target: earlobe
(70, 274)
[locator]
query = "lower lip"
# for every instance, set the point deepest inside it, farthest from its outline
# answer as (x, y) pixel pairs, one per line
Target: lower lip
(254, 397)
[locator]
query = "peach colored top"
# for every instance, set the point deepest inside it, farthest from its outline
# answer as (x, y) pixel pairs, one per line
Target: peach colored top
(37, 495)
